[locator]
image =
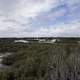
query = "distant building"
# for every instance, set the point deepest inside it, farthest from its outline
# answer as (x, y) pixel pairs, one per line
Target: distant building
(21, 41)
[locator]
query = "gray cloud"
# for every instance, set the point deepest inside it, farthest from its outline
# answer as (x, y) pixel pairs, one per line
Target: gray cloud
(18, 16)
(8, 7)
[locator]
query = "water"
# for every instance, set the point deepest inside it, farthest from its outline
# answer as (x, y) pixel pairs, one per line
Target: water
(1, 59)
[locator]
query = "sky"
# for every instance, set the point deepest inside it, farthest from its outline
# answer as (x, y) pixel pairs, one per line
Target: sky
(39, 18)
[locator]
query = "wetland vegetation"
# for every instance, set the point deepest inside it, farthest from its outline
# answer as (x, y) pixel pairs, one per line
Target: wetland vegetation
(40, 61)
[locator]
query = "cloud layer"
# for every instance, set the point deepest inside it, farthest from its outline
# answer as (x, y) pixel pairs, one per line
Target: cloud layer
(30, 18)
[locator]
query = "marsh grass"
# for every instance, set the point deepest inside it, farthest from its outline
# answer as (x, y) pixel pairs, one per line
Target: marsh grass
(58, 61)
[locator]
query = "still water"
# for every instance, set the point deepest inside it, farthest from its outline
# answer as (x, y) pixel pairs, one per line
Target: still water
(2, 55)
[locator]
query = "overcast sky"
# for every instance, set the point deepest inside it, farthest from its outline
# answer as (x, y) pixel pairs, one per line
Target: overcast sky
(36, 18)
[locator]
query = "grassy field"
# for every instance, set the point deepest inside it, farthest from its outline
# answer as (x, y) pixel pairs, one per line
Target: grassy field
(41, 61)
